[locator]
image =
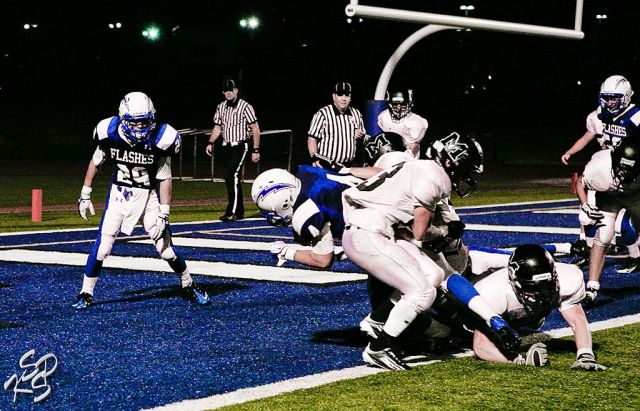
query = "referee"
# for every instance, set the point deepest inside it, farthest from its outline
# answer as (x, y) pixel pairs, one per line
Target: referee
(236, 121)
(336, 128)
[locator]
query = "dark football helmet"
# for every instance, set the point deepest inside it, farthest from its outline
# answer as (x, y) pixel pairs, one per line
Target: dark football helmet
(400, 104)
(465, 157)
(625, 161)
(533, 276)
(381, 144)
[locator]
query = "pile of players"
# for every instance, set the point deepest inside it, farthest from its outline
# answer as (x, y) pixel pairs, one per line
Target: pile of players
(426, 287)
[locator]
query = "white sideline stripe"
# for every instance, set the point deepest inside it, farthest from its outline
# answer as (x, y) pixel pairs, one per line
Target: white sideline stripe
(515, 204)
(212, 269)
(316, 380)
(522, 229)
(573, 210)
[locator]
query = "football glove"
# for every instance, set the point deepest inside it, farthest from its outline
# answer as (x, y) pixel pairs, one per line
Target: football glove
(591, 293)
(162, 223)
(508, 335)
(536, 356)
(587, 362)
(84, 203)
(332, 165)
(590, 214)
(282, 252)
(160, 229)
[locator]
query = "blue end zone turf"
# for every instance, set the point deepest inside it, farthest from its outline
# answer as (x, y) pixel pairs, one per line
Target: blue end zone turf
(142, 346)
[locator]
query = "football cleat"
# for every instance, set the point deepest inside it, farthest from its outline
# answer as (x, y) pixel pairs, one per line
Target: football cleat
(385, 358)
(631, 265)
(509, 337)
(580, 262)
(371, 327)
(83, 301)
(193, 293)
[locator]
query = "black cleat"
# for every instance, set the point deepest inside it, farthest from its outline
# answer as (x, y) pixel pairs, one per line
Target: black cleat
(83, 301)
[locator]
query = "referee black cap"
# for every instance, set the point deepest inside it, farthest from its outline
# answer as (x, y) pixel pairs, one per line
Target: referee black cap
(229, 85)
(342, 88)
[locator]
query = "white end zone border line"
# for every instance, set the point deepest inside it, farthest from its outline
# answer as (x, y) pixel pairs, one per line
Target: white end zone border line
(212, 269)
(311, 381)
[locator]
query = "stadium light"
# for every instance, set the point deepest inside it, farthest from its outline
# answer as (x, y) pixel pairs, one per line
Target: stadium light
(250, 23)
(152, 33)
(466, 9)
(115, 26)
(601, 16)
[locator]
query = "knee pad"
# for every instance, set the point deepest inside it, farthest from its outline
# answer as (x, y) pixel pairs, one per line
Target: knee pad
(104, 247)
(421, 300)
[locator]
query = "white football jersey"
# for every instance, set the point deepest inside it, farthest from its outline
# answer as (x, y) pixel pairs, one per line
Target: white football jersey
(595, 126)
(412, 128)
(391, 196)
(497, 291)
(392, 158)
(597, 175)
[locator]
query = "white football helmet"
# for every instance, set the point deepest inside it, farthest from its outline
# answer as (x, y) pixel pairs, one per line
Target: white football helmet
(615, 95)
(274, 192)
(138, 116)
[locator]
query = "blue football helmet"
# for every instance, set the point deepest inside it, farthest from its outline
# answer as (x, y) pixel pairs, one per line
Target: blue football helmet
(138, 117)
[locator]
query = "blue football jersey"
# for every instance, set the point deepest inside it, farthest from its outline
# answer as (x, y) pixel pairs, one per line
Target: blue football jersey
(319, 202)
(135, 165)
(618, 127)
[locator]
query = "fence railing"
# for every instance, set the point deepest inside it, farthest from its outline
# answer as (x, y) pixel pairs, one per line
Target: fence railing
(191, 137)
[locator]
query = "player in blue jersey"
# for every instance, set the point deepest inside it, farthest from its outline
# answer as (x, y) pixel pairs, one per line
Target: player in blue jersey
(141, 185)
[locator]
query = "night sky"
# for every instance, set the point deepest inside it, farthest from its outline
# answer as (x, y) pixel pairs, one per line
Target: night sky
(72, 69)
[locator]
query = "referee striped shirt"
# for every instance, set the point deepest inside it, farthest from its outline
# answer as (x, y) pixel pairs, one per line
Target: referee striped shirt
(234, 119)
(335, 132)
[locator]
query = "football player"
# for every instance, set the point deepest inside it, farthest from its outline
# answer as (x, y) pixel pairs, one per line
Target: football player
(311, 201)
(408, 192)
(524, 293)
(141, 151)
(614, 119)
(399, 119)
(612, 175)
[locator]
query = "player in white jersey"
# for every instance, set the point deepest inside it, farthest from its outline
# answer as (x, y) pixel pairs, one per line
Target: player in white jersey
(399, 119)
(524, 292)
(609, 174)
(407, 194)
(140, 190)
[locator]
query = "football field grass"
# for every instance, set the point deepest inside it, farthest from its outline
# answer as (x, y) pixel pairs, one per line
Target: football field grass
(468, 384)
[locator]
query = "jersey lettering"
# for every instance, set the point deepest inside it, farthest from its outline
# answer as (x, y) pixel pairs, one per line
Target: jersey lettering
(379, 179)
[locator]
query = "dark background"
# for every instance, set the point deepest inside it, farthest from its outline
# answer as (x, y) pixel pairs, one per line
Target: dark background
(59, 79)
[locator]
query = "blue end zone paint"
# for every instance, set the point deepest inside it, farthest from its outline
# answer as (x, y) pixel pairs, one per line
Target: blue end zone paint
(142, 346)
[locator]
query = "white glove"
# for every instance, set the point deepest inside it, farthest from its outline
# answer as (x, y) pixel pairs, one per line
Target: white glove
(162, 223)
(587, 362)
(280, 250)
(536, 356)
(84, 203)
(589, 214)
(591, 293)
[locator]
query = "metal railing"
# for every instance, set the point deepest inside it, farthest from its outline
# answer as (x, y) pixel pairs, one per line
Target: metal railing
(195, 133)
